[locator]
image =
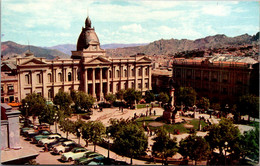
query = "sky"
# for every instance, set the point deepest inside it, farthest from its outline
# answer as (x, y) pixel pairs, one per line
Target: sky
(54, 22)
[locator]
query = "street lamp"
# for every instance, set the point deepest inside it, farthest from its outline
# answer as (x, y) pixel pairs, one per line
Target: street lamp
(108, 144)
(56, 117)
(26, 106)
(226, 148)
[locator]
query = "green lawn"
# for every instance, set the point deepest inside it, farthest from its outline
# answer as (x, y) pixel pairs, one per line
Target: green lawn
(170, 127)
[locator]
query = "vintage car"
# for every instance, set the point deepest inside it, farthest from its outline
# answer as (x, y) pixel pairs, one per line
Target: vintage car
(65, 147)
(87, 157)
(31, 134)
(51, 138)
(25, 129)
(37, 138)
(57, 142)
(74, 154)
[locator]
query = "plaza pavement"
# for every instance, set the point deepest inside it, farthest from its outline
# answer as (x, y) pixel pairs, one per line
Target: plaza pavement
(108, 113)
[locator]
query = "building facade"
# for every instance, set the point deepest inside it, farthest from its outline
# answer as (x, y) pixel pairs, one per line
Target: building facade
(9, 82)
(88, 70)
(220, 81)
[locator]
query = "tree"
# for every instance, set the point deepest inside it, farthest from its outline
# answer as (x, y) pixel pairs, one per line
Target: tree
(67, 126)
(224, 132)
(86, 131)
(186, 95)
(216, 107)
(83, 100)
(110, 98)
(250, 144)
(116, 125)
(131, 141)
(120, 94)
(163, 97)
(248, 105)
(63, 100)
(47, 115)
(149, 96)
(196, 147)
(35, 104)
(204, 103)
(77, 128)
(130, 96)
(164, 146)
(96, 132)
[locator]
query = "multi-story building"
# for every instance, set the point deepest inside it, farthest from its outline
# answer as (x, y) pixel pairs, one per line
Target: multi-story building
(9, 82)
(220, 80)
(88, 70)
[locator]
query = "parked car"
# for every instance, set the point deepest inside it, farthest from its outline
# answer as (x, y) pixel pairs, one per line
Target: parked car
(37, 138)
(42, 127)
(65, 147)
(31, 134)
(74, 154)
(57, 142)
(25, 129)
(51, 138)
(86, 158)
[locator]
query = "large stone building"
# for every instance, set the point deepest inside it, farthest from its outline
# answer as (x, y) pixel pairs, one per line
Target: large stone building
(88, 70)
(220, 78)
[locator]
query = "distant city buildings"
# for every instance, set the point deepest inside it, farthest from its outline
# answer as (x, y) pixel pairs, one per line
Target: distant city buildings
(222, 78)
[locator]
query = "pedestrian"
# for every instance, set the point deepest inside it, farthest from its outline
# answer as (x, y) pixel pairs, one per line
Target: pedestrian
(146, 114)
(154, 112)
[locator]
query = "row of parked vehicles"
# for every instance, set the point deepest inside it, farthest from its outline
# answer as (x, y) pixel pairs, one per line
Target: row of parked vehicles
(67, 148)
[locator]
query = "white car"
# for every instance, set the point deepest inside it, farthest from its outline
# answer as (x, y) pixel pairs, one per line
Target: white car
(51, 138)
(65, 147)
(75, 153)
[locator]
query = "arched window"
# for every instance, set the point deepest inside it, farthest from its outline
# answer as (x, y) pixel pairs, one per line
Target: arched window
(117, 74)
(146, 71)
(133, 85)
(39, 78)
(49, 93)
(125, 73)
(69, 76)
(49, 77)
(117, 87)
(133, 72)
(140, 71)
(59, 77)
(27, 79)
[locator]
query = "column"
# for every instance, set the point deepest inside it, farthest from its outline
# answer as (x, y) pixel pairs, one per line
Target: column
(150, 77)
(93, 83)
(108, 83)
(142, 78)
(86, 80)
(136, 82)
(32, 78)
(113, 75)
(101, 85)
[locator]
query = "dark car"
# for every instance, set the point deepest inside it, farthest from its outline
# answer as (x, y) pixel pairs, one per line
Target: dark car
(57, 142)
(65, 147)
(30, 135)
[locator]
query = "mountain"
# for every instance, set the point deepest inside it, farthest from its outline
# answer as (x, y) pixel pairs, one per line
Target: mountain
(67, 48)
(9, 49)
(173, 46)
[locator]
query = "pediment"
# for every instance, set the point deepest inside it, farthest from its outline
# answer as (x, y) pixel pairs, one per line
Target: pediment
(144, 59)
(33, 62)
(99, 60)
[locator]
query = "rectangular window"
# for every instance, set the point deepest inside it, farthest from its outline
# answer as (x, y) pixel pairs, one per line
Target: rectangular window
(2, 89)
(146, 85)
(139, 85)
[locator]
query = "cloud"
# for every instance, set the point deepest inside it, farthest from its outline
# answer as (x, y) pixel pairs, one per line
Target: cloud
(216, 10)
(136, 28)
